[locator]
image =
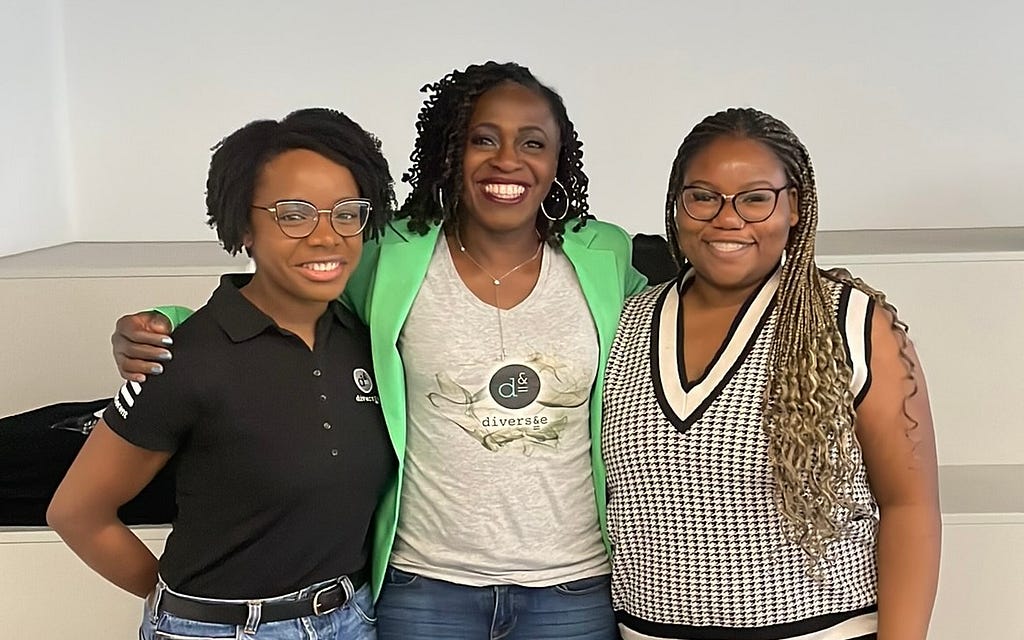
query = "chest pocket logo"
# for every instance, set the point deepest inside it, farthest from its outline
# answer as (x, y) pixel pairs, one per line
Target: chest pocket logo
(363, 380)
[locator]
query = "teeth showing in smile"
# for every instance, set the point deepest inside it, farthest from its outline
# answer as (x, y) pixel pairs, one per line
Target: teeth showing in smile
(321, 266)
(728, 246)
(504, 191)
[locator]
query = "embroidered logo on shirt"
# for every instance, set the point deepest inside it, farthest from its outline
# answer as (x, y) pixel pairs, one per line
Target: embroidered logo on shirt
(365, 384)
(363, 380)
(125, 398)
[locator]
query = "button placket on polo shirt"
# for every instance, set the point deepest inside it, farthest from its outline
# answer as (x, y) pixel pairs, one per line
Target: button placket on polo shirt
(321, 381)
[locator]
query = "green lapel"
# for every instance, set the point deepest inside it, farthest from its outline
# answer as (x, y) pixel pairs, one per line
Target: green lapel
(401, 269)
(398, 275)
(599, 278)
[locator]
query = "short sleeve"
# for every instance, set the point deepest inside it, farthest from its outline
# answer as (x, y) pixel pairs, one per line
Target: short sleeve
(157, 414)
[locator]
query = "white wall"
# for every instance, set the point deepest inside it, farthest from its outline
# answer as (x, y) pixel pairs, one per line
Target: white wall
(911, 109)
(970, 359)
(34, 210)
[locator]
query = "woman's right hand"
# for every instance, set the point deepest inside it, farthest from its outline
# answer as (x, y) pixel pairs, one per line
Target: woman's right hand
(140, 343)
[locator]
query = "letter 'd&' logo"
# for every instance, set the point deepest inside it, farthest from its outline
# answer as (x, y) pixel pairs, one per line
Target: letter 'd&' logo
(515, 386)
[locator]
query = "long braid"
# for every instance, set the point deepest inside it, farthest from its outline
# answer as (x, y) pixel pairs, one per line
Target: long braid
(809, 414)
(442, 126)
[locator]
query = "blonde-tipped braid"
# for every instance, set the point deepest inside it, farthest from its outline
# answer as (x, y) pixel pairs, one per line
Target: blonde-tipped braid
(809, 414)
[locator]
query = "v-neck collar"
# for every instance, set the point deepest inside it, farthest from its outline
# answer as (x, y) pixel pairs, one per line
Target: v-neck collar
(685, 402)
(443, 252)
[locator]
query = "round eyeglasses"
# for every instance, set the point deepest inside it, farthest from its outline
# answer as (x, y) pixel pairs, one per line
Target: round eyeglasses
(298, 218)
(753, 205)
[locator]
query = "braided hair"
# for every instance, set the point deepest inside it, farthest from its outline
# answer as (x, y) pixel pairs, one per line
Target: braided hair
(809, 413)
(239, 158)
(441, 130)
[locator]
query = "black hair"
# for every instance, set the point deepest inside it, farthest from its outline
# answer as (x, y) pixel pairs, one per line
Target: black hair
(441, 129)
(239, 158)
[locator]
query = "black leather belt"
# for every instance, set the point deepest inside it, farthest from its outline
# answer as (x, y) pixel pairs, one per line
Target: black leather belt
(322, 601)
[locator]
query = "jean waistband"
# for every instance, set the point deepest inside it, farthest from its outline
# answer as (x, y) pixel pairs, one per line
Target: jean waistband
(320, 600)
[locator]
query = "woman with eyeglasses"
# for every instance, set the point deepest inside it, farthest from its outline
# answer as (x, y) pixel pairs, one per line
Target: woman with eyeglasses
(492, 305)
(767, 434)
(268, 412)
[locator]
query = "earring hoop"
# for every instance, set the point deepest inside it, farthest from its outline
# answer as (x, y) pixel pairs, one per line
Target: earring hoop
(565, 211)
(439, 196)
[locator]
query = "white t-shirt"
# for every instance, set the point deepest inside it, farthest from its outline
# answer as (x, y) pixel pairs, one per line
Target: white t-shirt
(498, 486)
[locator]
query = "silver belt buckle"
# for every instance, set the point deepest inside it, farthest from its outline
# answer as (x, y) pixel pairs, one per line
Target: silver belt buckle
(317, 611)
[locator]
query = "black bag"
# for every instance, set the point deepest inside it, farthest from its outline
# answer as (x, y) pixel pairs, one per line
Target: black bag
(36, 449)
(651, 257)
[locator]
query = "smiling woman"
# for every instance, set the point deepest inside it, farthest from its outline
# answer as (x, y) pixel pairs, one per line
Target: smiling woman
(246, 410)
(301, 263)
(767, 434)
(510, 158)
(734, 241)
(495, 317)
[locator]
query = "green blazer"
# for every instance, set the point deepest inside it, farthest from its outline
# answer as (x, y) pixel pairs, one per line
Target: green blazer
(382, 291)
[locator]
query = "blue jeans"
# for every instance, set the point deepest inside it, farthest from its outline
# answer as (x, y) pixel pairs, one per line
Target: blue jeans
(354, 621)
(413, 607)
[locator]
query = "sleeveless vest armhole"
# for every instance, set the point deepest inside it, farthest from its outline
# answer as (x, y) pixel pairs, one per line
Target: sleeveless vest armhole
(854, 314)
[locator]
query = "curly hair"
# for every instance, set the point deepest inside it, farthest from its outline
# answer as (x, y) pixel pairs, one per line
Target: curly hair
(239, 158)
(441, 130)
(809, 415)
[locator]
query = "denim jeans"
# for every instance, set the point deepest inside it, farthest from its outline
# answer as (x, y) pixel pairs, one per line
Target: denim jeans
(354, 621)
(413, 607)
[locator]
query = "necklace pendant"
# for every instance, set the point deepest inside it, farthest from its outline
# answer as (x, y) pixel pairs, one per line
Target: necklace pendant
(497, 282)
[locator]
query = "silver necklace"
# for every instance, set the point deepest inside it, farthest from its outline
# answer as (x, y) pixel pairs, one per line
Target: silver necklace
(497, 282)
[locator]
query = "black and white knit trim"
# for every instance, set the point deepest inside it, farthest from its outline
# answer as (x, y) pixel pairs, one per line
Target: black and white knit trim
(848, 625)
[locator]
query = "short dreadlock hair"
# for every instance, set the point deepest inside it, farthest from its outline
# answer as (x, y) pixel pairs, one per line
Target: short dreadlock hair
(239, 158)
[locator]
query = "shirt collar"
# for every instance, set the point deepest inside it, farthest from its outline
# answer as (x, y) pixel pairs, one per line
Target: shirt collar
(242, 321)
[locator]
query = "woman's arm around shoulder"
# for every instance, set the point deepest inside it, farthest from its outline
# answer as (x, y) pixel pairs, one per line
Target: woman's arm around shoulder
(894, 427)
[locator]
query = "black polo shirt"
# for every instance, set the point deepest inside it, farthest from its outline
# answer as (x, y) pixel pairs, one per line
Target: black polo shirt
(281, 452)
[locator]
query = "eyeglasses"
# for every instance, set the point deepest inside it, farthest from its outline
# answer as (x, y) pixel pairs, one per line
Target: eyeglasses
(753, 205)
(298, 218)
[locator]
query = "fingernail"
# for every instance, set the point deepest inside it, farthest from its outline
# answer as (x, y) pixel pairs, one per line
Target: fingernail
(167, 340)
(164, 355)
(156, 369)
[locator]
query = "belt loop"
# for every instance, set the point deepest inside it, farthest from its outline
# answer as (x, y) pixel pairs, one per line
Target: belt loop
(350, 590)
(255, 613)
(158, 592)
